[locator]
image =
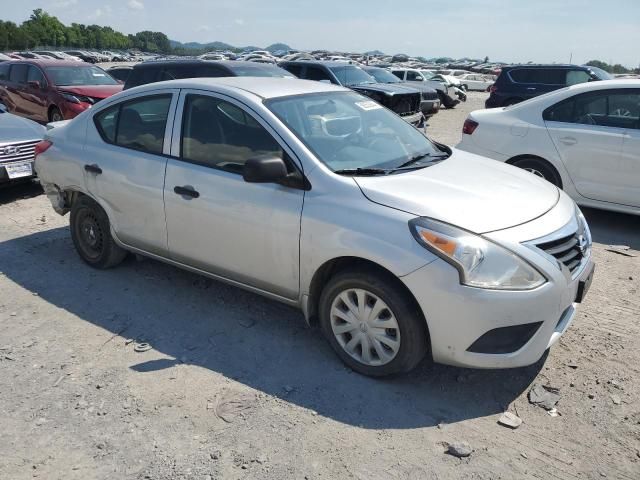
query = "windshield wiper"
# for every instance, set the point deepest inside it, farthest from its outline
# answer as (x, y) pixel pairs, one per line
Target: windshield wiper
(362, 171)
(417, 158)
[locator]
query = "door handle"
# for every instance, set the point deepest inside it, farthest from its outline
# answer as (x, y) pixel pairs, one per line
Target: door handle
(532, 89)
(186, 191)
(93, 169)
(568, 140)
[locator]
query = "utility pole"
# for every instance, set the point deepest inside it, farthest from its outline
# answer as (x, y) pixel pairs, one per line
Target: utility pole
(571, 58)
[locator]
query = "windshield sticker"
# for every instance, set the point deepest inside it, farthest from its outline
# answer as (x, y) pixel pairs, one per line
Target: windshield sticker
(368, 105)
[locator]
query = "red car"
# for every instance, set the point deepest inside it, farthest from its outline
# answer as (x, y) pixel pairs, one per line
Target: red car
(53, 90)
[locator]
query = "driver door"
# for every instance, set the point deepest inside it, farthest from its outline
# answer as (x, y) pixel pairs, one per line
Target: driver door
(217, 222)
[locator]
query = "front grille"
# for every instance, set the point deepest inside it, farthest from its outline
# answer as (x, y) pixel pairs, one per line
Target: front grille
(432, 95)
(18, 151)
(569, 250)
(405, 104)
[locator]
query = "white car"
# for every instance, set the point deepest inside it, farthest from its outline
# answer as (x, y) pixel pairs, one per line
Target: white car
(318, 197)
(476, 82)
(584, 139)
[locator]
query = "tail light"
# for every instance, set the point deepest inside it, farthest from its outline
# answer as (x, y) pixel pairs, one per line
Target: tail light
(469, 126)
(493, 88)
(42, 147)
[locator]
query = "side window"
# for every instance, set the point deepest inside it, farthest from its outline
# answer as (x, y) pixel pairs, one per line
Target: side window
(142, 123)
(18, 73)
(315, 73)
(521, 75)
(560, 112)
(142, 76)
(577, 76)
(220, 135)
(106, 122)
(4, 72)
(413, 76)
(589, 109)
(36, 75)
(294, 69)
(399, 74)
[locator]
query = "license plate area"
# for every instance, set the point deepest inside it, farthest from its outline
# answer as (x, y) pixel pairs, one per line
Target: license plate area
(19, 170)
(585, 283)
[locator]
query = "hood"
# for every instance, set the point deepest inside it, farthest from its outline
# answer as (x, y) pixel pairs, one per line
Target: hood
(14, 129)
(385, 88)
(94, 91)
(467, 191)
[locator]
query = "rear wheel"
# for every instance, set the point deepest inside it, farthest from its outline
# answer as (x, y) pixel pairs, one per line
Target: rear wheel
(91, 235)
(372, 323)
(540, 168)
(55, 115)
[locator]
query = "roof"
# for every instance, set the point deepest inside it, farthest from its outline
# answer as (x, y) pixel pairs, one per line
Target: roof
(263, 87)
(605, 84)
(327, 64)
(545, 65)
(230, 64)
(49, 63)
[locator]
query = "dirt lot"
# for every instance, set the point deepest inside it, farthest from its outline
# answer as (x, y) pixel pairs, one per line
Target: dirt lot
(236, 386)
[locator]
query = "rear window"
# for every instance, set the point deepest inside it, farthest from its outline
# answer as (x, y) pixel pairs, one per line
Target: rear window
(191, 71)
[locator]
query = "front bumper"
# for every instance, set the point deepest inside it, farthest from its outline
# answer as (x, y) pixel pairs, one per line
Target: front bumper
(458, 316)
(4, 176)
(414, 119)
(430, 107)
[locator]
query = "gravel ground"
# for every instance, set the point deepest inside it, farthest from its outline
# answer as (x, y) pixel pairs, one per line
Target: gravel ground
(235, 386)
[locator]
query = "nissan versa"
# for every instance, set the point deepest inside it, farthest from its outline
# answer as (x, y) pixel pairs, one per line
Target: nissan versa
(319, 197)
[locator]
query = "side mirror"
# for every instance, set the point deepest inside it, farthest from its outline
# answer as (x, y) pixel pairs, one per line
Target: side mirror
(34, 84)
(265, 169)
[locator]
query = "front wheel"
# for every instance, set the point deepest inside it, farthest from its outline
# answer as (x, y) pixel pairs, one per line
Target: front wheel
(91, 235)
(372, 323)
(540, 168)
(55, 115)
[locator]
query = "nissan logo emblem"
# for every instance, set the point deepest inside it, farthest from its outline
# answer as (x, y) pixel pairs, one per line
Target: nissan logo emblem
(10, 150)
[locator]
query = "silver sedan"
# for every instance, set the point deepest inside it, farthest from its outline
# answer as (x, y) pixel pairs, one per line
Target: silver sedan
(313, 195)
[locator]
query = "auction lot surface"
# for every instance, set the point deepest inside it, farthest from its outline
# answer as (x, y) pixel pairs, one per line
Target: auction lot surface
(236, 386)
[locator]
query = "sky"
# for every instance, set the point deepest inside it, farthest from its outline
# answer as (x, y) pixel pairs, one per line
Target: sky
(503, 30)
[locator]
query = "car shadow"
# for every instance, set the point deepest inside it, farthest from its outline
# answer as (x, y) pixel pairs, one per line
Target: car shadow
(19, 190)
(258, 342)
(612, 228)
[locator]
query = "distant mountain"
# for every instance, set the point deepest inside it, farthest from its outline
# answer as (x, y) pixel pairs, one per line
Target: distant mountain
(225, 46)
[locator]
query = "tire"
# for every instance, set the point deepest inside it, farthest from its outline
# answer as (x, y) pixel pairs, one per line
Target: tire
(55, 115)
(540, 168)
(405, 339)
(91, 235)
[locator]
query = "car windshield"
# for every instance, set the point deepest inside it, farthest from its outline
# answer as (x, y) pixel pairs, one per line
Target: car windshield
(428, 74)
(349, 75)
(261, 71)
(69, 76)
(600, 73)
(383, 76)
(352, 134)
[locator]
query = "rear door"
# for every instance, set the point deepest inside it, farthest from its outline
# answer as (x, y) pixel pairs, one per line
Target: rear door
(217, 222)
(589, 132)
(15, 89)
(126, 155)
(35, 97)
(628, 106)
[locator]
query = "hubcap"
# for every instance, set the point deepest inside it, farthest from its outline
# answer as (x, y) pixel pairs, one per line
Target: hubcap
(537, 173)
(90, 236)
(365, 327)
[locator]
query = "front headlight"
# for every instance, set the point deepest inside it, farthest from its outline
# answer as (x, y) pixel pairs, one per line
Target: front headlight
(480, 262)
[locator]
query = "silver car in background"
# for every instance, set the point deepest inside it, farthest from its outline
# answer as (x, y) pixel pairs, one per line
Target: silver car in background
(18, 140)
(316, 196)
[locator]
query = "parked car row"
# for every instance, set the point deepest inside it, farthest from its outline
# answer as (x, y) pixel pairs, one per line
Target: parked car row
(77, 55)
